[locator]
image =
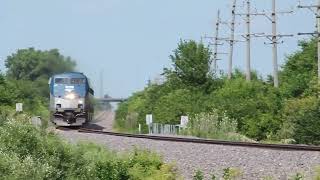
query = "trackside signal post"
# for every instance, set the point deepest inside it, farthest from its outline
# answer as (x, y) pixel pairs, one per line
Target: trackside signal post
(316, 10)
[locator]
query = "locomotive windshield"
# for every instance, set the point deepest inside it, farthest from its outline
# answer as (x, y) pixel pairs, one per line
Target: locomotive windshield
(69, 81)
(63, 86)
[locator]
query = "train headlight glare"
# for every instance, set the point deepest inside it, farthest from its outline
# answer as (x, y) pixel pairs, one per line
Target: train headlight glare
(80, 102)
(70, 96)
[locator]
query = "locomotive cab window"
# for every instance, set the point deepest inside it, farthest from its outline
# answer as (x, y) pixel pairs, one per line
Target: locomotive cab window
(61, 80)
(77, 81)
(69, 81)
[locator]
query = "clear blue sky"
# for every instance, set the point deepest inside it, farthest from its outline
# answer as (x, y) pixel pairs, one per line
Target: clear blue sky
(130, 40)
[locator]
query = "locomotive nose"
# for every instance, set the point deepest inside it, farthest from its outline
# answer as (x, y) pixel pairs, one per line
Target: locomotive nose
(69, 117)
(65, 103)
(71, 95)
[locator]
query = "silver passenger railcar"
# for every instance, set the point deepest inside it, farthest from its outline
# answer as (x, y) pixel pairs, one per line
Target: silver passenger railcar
(71, 99)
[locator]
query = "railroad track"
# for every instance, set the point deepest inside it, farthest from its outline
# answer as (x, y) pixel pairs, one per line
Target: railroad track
(287, 147)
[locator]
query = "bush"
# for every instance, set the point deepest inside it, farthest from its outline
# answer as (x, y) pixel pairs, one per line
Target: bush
(231, 173)
(254, 105)
(302, 116)
(198, 175)
(28, 152)
(212, 125)
(175, 104)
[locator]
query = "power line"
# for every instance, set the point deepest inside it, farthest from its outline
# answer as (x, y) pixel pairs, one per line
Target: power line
(316, 10)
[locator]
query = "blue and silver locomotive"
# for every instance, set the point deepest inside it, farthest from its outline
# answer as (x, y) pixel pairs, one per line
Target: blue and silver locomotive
(71, 99)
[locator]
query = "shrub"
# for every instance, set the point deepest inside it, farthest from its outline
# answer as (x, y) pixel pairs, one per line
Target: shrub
(302, 116)
(231, 173)
(30, 153)
(198, 175)
(172, 106)
(297, 176)
(254, 105)
(211, 125)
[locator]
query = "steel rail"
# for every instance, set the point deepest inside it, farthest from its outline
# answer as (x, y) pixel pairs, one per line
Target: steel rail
(287, 147)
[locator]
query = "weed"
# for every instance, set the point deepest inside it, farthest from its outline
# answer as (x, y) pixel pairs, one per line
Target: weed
(198, 175)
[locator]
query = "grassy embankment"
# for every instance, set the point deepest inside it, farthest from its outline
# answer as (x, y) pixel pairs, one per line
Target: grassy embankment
(27, 152)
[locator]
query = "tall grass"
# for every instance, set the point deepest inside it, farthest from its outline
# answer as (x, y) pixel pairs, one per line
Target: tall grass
(213, 125)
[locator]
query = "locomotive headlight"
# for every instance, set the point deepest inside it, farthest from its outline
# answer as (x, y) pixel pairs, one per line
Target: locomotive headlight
(70, 96)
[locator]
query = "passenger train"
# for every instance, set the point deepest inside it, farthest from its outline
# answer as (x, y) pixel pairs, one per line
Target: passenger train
(71, 99)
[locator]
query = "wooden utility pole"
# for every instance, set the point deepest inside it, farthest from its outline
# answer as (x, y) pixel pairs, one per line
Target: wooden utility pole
(274, 38)
(274, 45)
(216, 43)
(248, 36)
(232, 29)
(248, 39)
(316, 9)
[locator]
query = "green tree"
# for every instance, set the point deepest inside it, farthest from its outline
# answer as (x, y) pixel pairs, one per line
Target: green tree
(31, 64)
(34, 67)
(191, 63)
(299, 69)
(7, 92)
(26, 81)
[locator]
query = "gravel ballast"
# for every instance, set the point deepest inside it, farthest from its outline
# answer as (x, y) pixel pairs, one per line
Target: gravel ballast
(254, 163)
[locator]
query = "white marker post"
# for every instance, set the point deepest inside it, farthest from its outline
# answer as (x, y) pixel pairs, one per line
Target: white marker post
(184, 121)
(139, 128)
(19, 107)
(149, 122)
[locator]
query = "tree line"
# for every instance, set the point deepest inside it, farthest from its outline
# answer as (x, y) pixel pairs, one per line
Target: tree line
(261, 111)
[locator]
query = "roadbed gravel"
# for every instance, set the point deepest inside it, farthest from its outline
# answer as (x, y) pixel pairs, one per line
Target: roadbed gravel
(253, 163)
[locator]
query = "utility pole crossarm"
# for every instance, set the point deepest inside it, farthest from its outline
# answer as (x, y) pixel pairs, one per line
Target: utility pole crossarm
(278, 36)
(307, 7)
(312, 34)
